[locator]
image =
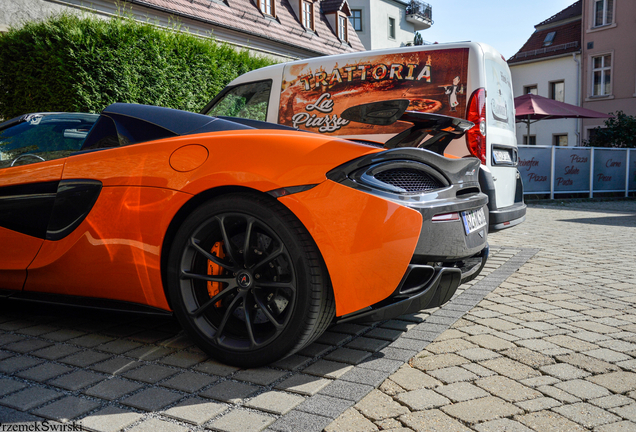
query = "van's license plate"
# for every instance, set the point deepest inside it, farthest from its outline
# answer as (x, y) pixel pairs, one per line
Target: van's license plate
(473, 220)
(501, 156)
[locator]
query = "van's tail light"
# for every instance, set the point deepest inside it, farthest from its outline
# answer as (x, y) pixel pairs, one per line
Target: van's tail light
(476, 136)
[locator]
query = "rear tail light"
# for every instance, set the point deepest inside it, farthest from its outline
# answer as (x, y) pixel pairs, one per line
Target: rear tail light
(476, 136)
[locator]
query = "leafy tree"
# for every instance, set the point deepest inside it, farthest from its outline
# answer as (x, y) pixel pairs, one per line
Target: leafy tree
(619, 131)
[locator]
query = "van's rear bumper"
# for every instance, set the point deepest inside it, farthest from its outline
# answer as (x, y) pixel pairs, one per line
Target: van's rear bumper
(504, 217)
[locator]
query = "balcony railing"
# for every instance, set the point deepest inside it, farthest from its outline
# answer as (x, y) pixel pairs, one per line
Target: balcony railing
(420, 14)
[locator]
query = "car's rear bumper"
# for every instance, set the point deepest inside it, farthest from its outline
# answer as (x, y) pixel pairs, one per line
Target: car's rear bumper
(502, 217)
(423, 287)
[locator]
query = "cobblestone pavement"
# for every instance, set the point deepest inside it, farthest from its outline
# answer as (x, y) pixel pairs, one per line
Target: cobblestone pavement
(548, 347)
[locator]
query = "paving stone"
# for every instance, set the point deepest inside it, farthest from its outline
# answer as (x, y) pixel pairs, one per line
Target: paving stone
(195, 410)
(607, 355)
(113, 388)
(528, 357)
(381, 364)
(408, 344)
(499, 425)
(365, 376)
(449, 346)
(611, 401)
(149, 353)
(564, 371)
(571, 343)
(230, 391)
(292, 362)
(461, 391)
(44, 372)
(303, 384)
(275, 402)
(624, 426)
(333, 339)
(150, 373)
(212, 367)
(490, 342)
(430, 362)
(30, 398)
(67, 408)
(538, 404)
(478, 354)
(478, 370)
(188, 382)
(422, 399)
(390, 353)
(110, 419)
(346, 355)
(452, 374)
(627, 411)
(64, 334)
(618, 382)
(378, 406)
(480, 410)
(346, 390)
(262, 376)
(118, 346)
(367, 344)
(396, 324)
(510, 368)
(542, 380)
(588, 363)
(184, 359)
(328, 369)
(384, 333)
(84, 358)
(432, 421)
(586, 414)
(583, 389)
(27, 345)
(90, 340)
(77, 380)
(116, 365)
(17, 363)
(9, 386)
(325, 405)
(349, 328)
(413, 379)
(151, 399)
(300, 421)
(507, 389)
(157, 425)
(350, 421)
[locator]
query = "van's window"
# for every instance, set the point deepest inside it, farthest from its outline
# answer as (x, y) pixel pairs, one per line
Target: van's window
(248, 101)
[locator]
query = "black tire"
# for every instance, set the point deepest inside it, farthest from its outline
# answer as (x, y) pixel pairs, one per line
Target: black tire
(277, 276)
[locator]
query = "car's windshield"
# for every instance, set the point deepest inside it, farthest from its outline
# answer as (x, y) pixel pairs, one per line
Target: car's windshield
(43, 136)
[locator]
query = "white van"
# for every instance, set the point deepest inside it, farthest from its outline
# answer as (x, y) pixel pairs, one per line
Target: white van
(465, 80)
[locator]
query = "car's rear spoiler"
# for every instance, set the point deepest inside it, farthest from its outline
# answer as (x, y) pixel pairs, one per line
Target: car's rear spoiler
(441, 128)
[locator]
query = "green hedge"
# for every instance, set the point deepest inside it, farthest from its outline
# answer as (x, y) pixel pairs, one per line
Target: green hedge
(72, 63)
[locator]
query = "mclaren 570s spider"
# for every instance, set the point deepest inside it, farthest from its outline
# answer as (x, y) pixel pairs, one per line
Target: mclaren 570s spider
(257, 237)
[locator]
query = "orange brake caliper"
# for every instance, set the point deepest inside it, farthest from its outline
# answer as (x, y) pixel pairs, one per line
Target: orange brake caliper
(215, 270)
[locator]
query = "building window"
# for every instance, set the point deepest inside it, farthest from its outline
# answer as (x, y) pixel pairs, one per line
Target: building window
(533, 140)
(342, 28)
(391, 28)
(557, 91)
(561, 140)
(603, 12)
(602, 75)
(308, 15)
(267, 7)
(530, 90)
(549, 38)
(356, 19)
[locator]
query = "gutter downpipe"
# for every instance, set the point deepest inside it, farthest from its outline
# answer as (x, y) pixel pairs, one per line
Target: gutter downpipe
(578, 97)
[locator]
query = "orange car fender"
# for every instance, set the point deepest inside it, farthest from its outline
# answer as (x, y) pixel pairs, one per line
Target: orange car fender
(115, 252)
(366, 241)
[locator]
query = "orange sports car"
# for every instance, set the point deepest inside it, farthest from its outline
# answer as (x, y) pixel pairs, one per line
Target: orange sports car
(256, 236)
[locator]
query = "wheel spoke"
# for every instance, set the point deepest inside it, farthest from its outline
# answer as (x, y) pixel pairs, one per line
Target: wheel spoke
(228, 313)
(197, 313)
(272, 256)
(216, 260)
(289, 285)
(229, 248)
(246, 243)
(247, 308)
(209, 278)
(268, 314)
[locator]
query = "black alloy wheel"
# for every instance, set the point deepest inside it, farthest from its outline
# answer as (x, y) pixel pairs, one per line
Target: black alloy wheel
(246, 280)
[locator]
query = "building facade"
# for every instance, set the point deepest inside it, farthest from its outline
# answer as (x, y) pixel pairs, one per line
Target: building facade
(282, 29)
(549, 65)
(608, 58)
(389, 23)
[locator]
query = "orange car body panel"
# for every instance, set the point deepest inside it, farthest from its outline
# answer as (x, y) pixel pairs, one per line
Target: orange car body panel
(361, 238)
(115, 252)
(15, 260)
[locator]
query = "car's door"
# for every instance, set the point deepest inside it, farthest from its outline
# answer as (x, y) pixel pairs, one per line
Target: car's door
(33, 150)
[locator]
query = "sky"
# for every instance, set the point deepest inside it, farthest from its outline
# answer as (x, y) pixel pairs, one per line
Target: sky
(504, 24)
